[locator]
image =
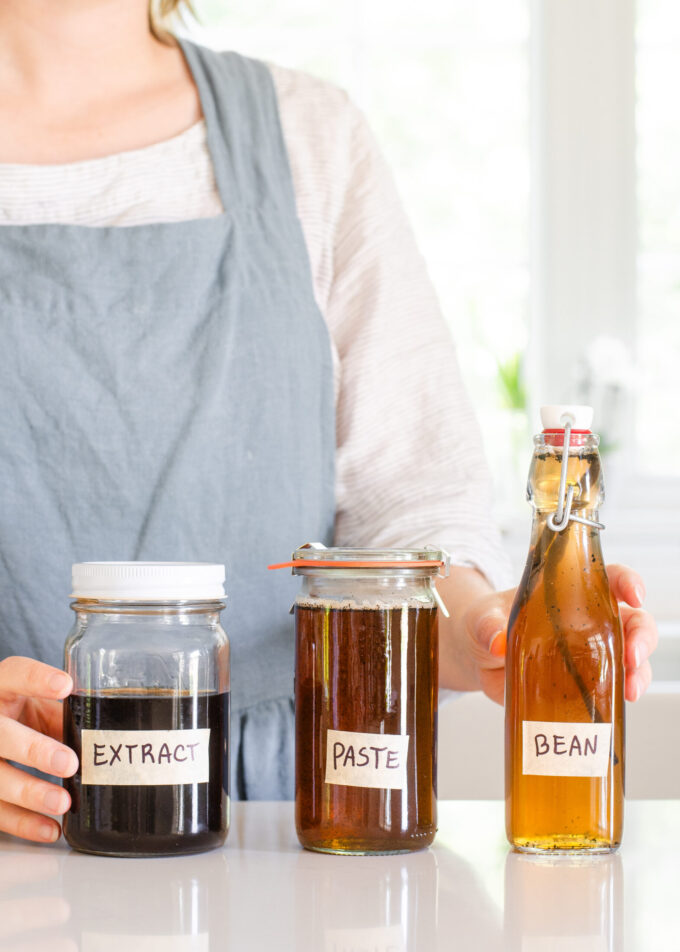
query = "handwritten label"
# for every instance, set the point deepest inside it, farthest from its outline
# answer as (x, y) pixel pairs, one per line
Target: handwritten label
(376, 939)
(565, 749)
(145, 758)
(366, 760)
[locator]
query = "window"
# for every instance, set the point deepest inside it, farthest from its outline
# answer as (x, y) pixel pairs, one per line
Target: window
(658, 152)
(530, 138)
(446, 91)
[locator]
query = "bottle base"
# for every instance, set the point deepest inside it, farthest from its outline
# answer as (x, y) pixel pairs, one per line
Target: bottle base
(341, 851)
(366, 846)
(564, 844)
(122, 847)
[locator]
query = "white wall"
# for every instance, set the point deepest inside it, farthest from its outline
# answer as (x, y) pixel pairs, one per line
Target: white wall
(471, 747)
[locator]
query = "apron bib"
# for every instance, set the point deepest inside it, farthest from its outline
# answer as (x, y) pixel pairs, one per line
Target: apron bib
(166, 394)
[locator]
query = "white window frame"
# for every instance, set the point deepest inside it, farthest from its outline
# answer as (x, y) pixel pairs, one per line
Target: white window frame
(583, 221)
(584, 248)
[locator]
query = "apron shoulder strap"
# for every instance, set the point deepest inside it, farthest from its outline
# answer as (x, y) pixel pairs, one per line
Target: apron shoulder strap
(244, 131)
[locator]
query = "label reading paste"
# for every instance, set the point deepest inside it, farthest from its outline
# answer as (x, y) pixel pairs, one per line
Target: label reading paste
(366, 760)
(145, 758)
(564, 749)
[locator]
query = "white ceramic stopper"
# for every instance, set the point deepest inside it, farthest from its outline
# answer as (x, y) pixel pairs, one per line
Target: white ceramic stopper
(555, 417)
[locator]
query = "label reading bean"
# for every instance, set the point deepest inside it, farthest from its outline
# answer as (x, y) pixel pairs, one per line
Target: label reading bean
(566, 749)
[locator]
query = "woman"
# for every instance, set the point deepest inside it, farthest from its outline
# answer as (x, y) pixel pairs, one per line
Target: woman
(219, 342)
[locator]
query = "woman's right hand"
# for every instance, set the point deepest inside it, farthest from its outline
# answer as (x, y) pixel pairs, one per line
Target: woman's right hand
(30, 733)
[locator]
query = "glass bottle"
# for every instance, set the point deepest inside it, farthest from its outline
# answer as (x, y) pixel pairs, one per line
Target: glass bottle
(564, 737)
(149, 712)
(366, 699)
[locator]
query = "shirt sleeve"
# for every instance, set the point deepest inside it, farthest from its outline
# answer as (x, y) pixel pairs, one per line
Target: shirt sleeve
(410, 468)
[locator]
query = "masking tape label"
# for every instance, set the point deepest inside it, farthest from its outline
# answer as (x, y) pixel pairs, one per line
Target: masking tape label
(566, 749)
(366, 760)
(145, 758)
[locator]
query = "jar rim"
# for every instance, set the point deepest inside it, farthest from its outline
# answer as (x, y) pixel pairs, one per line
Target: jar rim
(154, 606)
(314, 556)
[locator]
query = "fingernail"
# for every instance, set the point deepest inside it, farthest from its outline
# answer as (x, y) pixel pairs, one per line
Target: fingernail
(56, 802)
(640, 593)
(48, 832)
(497, 644)
(59, 683)
(62, 761)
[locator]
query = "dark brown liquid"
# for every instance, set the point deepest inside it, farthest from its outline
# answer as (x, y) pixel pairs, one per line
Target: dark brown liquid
(148, 820)
(369, 671)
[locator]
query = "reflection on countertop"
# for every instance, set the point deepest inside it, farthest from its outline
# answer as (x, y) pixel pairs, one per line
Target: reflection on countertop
(567, 904)
(262, 892)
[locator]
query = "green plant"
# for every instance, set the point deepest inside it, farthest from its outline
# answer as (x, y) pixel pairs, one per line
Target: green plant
(511, 384)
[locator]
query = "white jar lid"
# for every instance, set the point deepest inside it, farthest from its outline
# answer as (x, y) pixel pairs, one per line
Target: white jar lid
(553, 417)
(148, 581)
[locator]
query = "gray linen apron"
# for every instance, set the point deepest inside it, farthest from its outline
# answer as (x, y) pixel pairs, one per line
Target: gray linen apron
(166, 394)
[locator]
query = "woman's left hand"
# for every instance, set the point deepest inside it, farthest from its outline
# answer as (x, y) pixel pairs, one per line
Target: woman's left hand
(485, 625)
(640, 635)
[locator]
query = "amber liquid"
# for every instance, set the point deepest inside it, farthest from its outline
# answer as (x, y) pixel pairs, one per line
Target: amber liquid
(369, 671)
(148, 820)
(564, 664)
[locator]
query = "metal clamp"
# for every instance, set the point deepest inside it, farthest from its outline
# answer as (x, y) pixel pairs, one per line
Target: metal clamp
(560, 519)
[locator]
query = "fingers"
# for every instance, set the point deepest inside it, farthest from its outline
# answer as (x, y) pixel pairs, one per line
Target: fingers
(45, 716)
(489, 638)
(24, 790)
(640, 640)
(640, 634)
(626, 585)
(28, 825)
(493, 684)
(32, 689)
(25, 677)
(28, 747)
(638, 681)
(485, 625)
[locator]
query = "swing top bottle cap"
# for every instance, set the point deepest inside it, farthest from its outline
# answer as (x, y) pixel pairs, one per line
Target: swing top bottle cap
(555, 416)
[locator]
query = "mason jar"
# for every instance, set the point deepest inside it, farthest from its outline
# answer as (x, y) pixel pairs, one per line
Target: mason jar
(366, 699)
(149, 713)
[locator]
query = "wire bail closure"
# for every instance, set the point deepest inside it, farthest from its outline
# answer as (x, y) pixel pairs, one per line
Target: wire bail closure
(560, 519)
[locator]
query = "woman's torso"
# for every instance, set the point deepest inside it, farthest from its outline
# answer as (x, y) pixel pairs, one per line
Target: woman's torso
(166, 394)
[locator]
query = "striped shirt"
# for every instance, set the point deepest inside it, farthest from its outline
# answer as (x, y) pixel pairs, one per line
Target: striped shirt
(409, 465)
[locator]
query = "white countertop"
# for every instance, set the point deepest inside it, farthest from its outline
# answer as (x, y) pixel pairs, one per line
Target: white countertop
(263, 892)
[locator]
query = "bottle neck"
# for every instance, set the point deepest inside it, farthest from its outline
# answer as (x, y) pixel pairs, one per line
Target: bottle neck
(555, 477)
(582, 541)
(540, 520)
